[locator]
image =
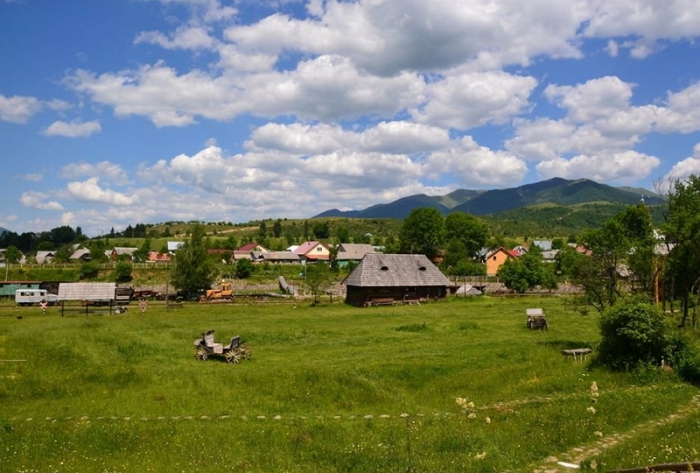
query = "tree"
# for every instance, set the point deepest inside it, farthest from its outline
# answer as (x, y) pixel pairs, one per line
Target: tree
(526, 272)
(12, 254)
(342, 234)
(422, 232)
(142, 253)
(88, 270)
(322, 231)
(193, 271)
(262, 231)
(566, 261)
(244, 268)
(682, 230)
(122, 271)
(599, 274)
(467, 229)
(319, 278)
(277, 228)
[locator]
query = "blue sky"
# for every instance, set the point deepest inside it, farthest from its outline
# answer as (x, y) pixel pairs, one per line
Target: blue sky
(120, 112)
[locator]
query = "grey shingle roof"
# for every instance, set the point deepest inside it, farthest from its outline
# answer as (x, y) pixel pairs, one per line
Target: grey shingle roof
(86, 291)
(354, 251)
(380, 270)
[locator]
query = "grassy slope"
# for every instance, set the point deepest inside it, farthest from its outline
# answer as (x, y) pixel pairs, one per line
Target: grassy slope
(125, 393)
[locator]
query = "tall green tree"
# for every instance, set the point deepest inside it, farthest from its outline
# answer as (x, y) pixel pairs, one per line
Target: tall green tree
(193, 271)
(12, 254)
(682, 230)
(527, 272)
(599, 274)
(467, 229)
(277, 228)
(422, 232)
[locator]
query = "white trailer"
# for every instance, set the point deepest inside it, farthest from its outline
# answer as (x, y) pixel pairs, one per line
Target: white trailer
(34, 296)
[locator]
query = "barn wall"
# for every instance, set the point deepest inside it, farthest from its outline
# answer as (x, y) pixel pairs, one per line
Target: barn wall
(360, 296)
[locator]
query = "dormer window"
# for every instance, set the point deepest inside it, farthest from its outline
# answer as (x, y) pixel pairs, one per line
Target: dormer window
(422, 268)
(384, 268)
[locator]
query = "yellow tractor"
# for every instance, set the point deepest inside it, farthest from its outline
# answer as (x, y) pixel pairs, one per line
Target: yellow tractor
(224, 293)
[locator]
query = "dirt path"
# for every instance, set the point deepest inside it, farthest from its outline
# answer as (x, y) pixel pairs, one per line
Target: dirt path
(575, 456)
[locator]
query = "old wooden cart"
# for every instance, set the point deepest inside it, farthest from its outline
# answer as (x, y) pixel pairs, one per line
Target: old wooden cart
(536, 319)
(234, 352)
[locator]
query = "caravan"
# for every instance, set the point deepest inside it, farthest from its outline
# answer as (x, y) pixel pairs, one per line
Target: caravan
(34, 296)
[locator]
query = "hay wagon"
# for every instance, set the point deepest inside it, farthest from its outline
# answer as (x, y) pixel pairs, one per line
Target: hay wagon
(234, 352)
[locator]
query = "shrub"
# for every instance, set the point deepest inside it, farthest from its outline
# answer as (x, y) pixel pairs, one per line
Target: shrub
(88, 271)
(633, 333)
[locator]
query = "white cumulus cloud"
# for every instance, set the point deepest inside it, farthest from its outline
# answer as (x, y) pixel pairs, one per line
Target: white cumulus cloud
(73, 129)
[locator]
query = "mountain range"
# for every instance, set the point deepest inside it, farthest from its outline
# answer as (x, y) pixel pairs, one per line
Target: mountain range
(556, 191)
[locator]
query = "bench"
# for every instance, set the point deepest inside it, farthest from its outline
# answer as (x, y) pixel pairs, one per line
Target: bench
(173, 305)
(579, 354)
(381, 301)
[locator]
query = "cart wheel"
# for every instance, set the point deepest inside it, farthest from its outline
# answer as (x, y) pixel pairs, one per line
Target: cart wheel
(233, 356)
(246, 352)
(201, 354)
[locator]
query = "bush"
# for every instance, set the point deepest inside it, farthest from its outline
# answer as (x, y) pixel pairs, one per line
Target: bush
(633, 334)
(122, 271)
(88, 271)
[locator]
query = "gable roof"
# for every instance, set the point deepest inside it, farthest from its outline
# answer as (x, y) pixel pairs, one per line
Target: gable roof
(124, 250)
(354, 251)
(86, 291)
(380, 270)
(274, 256)
(513, 253)
(175, 245)
(252, 246)
(80, 253)
(308, 246)
(44, 256)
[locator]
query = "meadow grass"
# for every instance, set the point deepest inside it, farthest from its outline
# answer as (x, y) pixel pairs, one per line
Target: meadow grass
(330, 388)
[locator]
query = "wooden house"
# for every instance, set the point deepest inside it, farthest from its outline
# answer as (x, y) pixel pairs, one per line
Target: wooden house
(388, 279)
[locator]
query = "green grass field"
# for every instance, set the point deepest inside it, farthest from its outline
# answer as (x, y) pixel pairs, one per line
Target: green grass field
(330, 388)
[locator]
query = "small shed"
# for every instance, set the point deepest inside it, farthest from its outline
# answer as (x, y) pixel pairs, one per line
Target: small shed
(388, 278)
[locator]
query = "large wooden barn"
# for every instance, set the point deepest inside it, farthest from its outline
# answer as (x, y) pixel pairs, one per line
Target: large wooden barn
(388, 279)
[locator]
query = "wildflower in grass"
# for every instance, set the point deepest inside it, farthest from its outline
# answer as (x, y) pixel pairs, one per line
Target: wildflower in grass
(488, 420)
(461, 402)
(598, 433)
(480, 456)
(594, 391)
(591, 409)
(472, 415)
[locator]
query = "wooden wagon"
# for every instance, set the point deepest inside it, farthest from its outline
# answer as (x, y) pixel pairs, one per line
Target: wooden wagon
(536, 319)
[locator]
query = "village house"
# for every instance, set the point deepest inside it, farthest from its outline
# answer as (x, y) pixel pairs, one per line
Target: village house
(313, 251)
(121, 252)
(496, 258)
(45, 257)
(275, 257)
(352, 252)
(390, 278)
(81, 254)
